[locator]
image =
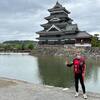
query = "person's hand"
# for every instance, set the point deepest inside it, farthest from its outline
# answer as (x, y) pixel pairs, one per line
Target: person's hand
(67, 61)
(83, 75)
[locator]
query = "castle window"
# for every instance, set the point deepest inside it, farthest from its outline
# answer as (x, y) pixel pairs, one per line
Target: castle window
(55, 19)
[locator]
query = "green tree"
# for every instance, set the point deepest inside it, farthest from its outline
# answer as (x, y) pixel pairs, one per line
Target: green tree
(7, 47)
(30, 46)
(23, 46)
(94, 41)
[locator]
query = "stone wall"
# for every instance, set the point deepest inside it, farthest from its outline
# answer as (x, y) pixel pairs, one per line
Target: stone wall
(62, 50)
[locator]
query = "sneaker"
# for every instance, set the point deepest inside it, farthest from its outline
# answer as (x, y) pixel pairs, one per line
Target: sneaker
(84, 96)
(76, 95)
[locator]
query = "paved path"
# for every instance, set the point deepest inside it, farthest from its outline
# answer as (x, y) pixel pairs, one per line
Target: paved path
(17, 90)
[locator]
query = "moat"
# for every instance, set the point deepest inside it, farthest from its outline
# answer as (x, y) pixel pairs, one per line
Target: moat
(47, 70)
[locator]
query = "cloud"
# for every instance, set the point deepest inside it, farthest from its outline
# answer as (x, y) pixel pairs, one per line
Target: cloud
(21, 19)
(86, 14)
(22, 16)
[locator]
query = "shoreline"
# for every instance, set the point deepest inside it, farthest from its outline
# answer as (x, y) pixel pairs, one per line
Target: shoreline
(15, 53)
(89, 52)
(13, 89)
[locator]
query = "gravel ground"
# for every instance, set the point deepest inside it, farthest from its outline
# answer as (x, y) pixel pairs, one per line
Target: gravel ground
(19, 90)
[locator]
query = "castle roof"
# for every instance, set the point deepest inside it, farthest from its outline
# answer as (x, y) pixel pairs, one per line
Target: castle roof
(58, 7)
(83, 34)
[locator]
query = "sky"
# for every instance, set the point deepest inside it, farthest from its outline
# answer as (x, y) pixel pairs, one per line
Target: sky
(21, 19)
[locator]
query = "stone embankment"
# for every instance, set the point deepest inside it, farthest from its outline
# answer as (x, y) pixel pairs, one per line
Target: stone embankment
(62, 50)
(19, 90)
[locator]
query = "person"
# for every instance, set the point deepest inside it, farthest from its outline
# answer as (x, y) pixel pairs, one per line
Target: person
(79, 73)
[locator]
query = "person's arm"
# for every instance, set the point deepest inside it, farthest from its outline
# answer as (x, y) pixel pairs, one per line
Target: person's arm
(69, 65)
(84, 71)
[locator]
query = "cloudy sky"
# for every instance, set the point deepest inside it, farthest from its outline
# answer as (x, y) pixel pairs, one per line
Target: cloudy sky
(20, 19)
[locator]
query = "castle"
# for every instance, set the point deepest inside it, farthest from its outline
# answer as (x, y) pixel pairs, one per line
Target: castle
(59, 30)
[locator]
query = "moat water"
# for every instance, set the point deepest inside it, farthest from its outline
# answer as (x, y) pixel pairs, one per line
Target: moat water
(47, 70)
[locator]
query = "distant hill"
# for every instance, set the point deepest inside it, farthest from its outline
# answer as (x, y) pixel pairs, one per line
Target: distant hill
(19, 42)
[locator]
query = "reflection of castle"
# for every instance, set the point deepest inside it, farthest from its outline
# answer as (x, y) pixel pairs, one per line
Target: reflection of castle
(60, 30)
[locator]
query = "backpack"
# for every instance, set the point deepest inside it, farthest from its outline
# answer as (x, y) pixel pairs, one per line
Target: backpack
(78, 64)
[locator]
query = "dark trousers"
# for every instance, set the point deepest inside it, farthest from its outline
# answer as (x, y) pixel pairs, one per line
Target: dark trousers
(77, 78)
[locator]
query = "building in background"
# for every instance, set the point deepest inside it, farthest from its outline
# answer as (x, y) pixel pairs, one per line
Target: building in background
(59, 30)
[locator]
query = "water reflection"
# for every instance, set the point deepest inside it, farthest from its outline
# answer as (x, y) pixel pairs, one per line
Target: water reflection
(20, 66)
(93, 82)
(47, 70)
(54, 72)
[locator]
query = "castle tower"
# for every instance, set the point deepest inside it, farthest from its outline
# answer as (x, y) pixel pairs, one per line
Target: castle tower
(59, 30)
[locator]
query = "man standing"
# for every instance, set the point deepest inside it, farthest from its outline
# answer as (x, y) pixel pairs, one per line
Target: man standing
(79, 73)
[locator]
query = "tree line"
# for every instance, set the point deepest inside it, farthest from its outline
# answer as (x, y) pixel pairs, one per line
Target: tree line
(18, 45)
